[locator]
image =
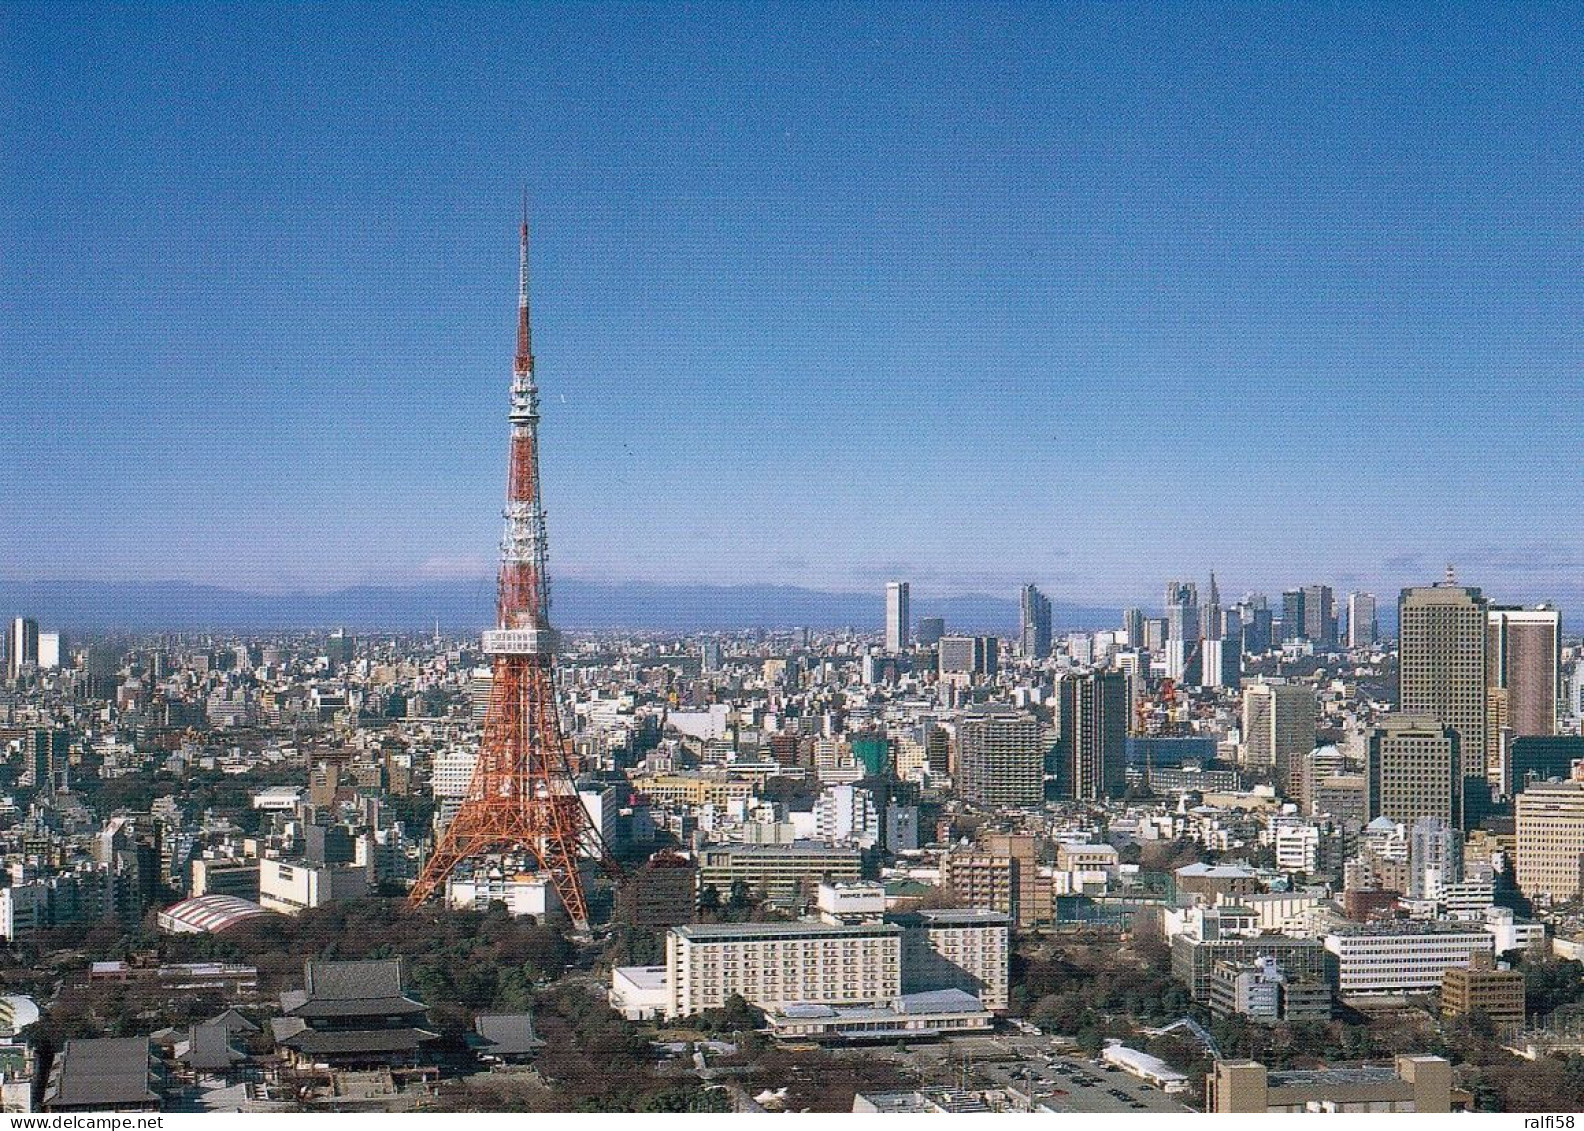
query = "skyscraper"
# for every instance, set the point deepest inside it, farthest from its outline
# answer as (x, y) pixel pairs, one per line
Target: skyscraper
(1035, 608)
(1092, 712)
(1319, 615)
(1415, 770)
(1133, 627)
(22, 644)
(1254, 618)
(1293, 619)
(1523, 683)
(930, 630)
(1001, 760)
(898, 618)
(1278, 730)
(1444, 634)
(1362, 627)
(1220, 661)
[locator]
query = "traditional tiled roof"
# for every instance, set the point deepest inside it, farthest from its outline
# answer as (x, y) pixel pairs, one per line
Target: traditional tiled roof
(209, 1049)
(505, 1034)
(105, 1072)
(318, 1042)
(351, 989)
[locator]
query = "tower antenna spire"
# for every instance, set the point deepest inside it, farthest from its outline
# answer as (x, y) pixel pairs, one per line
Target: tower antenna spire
(522, 804)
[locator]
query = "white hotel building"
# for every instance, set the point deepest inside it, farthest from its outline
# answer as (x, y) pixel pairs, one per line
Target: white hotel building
(778, 964)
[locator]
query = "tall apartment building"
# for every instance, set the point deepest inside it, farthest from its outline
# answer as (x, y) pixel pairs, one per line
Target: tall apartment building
(1000, 873)
(1001, 760)
(1435, 857)
(1523, 677)
(1035, 630)
(1363, 626)
(1550, 835)
(1278, 730)
(773, 965)
(1442, 665)
(1415, 770)
(662, 893)
(1092, 715)
(897, 617)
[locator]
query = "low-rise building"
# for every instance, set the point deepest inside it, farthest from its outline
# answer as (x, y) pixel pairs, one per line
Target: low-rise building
(1481, 988)
(909, 1017)
(1400, 958)
(1411, 1084)
(787, 874)
(291, 887)
(109, 1074)
(1194, 959)
(639, 993)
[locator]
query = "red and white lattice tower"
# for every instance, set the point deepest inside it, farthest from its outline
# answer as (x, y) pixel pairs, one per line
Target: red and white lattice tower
(522, 801)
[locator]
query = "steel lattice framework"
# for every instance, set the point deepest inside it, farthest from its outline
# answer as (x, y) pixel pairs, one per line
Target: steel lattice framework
(522, 799)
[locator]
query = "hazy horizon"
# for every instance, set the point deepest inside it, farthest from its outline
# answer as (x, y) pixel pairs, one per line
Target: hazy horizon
(1090, 296)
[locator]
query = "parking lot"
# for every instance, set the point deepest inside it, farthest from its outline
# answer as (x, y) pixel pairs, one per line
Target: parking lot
(1035, 1074)
(1070, 1084)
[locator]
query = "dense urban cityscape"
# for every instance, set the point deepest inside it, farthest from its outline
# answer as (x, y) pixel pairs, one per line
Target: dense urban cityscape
(1251, 854)
(1005, 322)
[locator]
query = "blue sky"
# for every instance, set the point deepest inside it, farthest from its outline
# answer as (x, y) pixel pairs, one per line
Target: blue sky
(972, 294)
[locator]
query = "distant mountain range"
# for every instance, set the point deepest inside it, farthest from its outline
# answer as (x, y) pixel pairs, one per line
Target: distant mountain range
(94, 606)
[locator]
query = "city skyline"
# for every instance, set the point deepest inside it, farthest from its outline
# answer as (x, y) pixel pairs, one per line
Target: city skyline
(820, 305)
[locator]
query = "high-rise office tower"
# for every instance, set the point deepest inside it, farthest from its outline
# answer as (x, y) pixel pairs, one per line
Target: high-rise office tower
(930, 630)
(1293, 620)
(1220, 661)
(1319, 612)
(1211, 621)
(1092, 712)
(1133, 627)
(1035, 610)
(1182, 631)
(897, 619)
(22, 645)
(1443, 635)
(1278, 730)
(51, 650)
(1001, 760)
(1549, 819)
(1415, 770)
(1523, 676)
(1254, 615)
(1363, 629)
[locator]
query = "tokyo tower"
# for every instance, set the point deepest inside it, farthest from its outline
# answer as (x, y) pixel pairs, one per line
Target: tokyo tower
(522, 800)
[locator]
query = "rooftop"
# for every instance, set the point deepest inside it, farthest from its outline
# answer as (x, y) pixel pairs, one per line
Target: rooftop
(107, 1071)
(736, 932)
